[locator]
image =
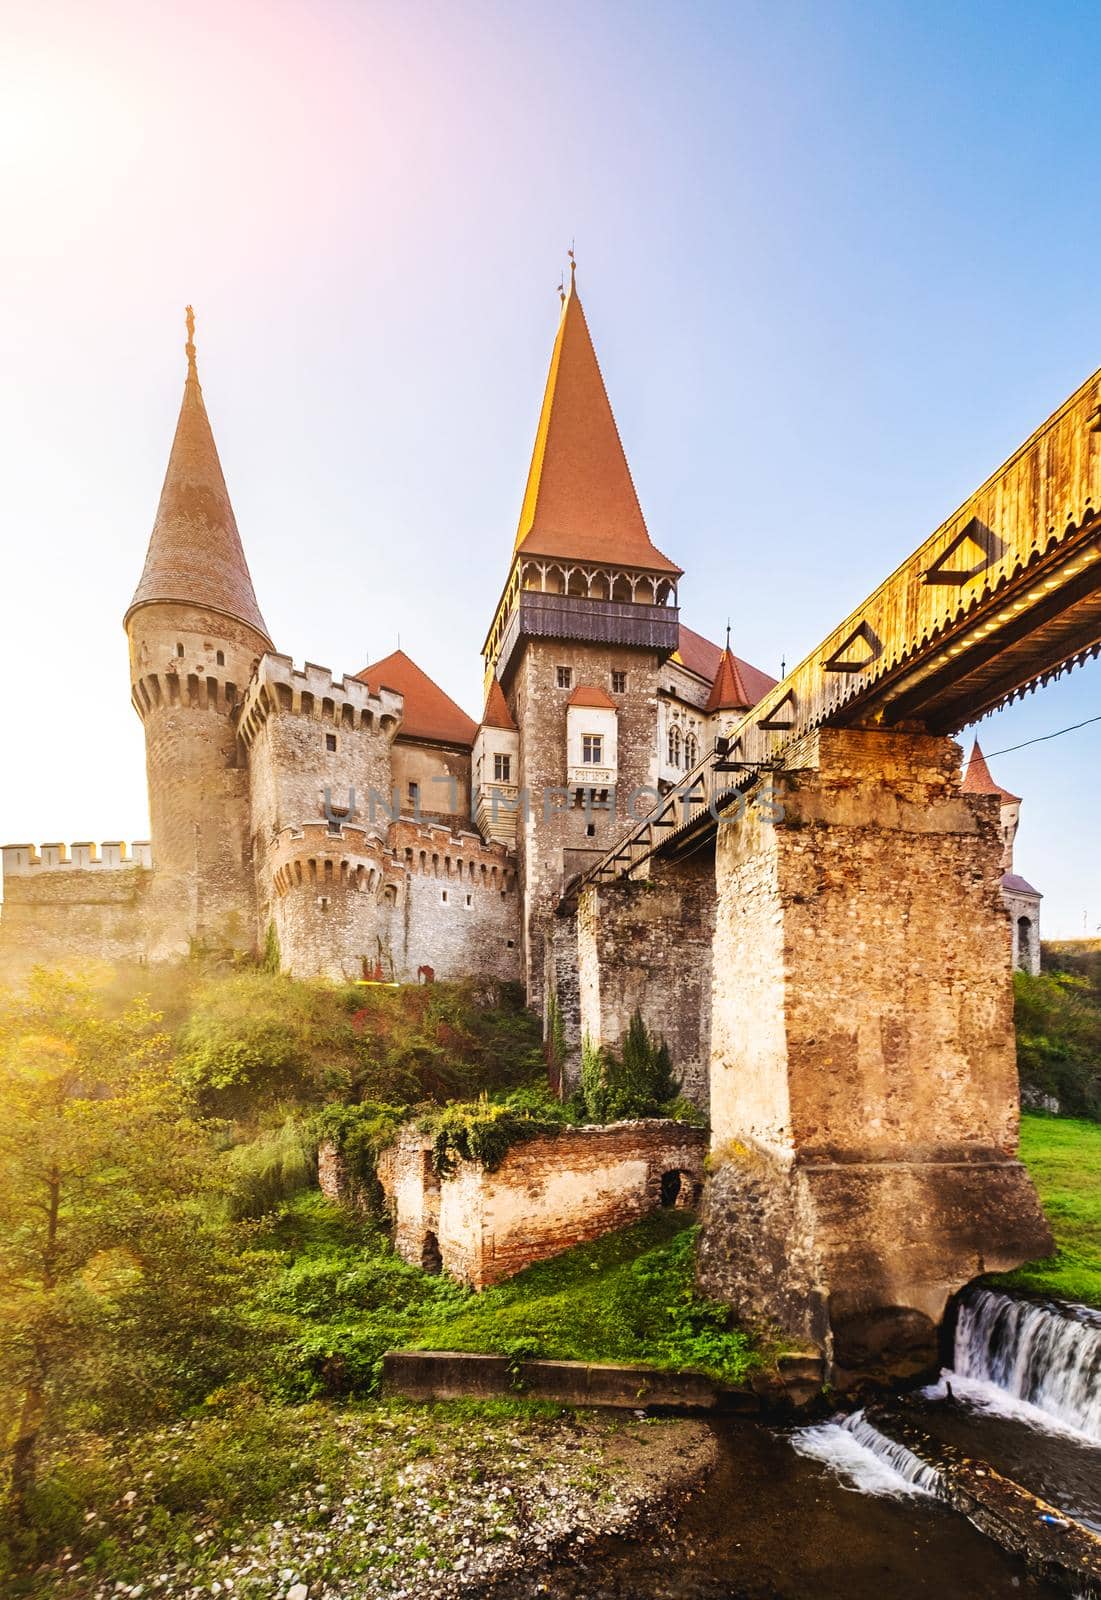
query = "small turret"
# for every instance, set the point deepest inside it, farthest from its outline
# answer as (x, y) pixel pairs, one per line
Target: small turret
(196, 635)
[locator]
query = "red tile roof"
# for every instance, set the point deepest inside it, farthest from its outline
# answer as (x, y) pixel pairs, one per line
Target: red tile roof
(580, 502)
(497, 713)
(977, 779)
(587, 694)
(701, 657)
(429, 713)
(195, 554)
(728, 692)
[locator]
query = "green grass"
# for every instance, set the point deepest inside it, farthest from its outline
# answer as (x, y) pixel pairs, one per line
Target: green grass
(1064, 1158)
(629, 1296)
(334, 1297)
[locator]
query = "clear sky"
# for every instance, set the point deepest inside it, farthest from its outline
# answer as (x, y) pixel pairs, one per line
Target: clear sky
(838, 259)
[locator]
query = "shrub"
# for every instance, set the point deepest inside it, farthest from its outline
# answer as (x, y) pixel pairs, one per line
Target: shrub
(485, 1132)
(268, 1170)
(637, 1083)
(1058, 1018)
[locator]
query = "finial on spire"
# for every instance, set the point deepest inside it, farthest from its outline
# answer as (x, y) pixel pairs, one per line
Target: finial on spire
(573, 264)
(189, 347)
(728, 635)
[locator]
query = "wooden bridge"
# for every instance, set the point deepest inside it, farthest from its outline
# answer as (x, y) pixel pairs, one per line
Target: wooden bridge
(1005, 595)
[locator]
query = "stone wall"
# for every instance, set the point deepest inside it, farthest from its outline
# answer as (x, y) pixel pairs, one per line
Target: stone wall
(555, 823)
(547, 1195)
(189, 669)
(648, 946)
(864, 1089)
(68, 907)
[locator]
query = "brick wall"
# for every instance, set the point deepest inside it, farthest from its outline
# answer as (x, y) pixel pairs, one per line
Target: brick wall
(546, 1196)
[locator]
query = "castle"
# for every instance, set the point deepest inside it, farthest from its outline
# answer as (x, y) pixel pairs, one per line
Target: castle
(364, 824)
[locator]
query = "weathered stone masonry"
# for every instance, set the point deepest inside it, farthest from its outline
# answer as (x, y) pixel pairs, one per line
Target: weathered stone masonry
(647, 946)
(863, 1085)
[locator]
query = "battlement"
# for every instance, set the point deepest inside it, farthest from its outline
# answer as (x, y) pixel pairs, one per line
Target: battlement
(22, 860)
(312, 691)
(434, 850)
(314, 856)
(313, 853)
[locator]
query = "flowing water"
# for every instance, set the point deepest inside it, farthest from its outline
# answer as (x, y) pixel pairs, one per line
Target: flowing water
(868, 1459)
(1024, 1394)
(840, 1511)
(1035, 1361)
(773, 1523)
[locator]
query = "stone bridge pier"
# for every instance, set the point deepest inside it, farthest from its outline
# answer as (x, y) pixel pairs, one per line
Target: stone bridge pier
(864, 1099)
(648, 944)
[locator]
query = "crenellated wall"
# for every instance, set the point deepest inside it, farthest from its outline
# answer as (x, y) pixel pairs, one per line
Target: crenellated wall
(345, 901)
(331, 898)
(67, 905)
(315, 743)
(458, 909)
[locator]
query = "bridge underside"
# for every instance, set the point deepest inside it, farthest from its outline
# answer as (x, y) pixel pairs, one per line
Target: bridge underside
(1043, 623)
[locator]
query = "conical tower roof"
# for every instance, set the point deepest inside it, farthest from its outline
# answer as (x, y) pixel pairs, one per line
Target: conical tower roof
(977, 778)
(195, 554)
(497, 713)
(728, 692)
(580, 503)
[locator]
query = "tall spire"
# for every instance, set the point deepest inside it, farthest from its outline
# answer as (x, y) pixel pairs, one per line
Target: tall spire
(195, 554)
(580, 502)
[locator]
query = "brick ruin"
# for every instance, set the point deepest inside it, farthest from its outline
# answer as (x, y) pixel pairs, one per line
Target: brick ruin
(547, 1195)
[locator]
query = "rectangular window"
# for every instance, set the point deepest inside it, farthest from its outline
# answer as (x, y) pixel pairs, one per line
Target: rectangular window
(565, 677)
(592, 749)
(330, 741)
(619, 683)
(502, 769)
(414, 795)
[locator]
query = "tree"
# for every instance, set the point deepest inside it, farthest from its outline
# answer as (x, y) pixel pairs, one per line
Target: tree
(103, 1239)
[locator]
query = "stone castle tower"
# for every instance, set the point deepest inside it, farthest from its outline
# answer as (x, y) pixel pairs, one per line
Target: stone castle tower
(196, 639)
(1022, 901)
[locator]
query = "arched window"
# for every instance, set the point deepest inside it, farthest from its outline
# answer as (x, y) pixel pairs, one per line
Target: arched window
(691, 751)
(1024, 943)
(674, 746)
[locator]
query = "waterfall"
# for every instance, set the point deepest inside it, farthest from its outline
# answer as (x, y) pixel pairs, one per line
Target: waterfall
(1046, 1356)
(872, 1462)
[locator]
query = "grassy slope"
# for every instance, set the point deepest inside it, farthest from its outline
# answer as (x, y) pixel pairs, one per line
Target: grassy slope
(628, 1296)
(340, 1298)
(1064, 1158)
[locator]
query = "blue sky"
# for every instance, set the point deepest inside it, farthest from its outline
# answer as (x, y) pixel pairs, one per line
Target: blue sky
(838, 261)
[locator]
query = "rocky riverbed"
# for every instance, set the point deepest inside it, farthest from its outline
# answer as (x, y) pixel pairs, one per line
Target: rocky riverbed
(429, 1504)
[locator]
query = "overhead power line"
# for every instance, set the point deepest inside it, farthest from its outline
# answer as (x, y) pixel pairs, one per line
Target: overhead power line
(1041, 738)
